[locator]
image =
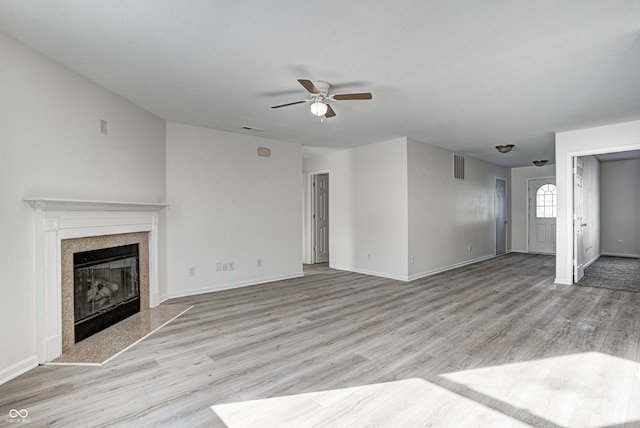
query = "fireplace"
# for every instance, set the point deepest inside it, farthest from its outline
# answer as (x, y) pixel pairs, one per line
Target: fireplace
(65, 227)
(103, 268)
(106, 288)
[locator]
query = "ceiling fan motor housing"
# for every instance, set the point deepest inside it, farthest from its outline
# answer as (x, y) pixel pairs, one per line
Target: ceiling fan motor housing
(323, 88)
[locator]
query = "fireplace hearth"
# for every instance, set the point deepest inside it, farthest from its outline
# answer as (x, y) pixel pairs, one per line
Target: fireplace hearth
(106, 288)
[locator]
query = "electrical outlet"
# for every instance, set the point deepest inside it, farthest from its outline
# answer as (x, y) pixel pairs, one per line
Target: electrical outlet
(469, 249)
(192, 271)
(103, 127)
(227, 267)
(218, 266)
(620, 243)
(259, 262)
(413, 260)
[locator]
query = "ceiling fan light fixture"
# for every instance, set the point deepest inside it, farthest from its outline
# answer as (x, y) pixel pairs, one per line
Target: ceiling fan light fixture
(505, 148)
(540, 162)
(318, 108)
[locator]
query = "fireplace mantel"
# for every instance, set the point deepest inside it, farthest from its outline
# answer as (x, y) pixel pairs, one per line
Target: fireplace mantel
(60, 219)
(83, 205)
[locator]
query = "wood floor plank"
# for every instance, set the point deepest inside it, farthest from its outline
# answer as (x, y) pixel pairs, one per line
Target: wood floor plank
(331, 330)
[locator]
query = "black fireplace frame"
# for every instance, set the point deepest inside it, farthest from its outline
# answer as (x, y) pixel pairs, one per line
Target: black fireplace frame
(99, 321)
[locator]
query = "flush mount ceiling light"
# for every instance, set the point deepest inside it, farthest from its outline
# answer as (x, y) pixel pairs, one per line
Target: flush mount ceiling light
(505, 148)
(319, 108)
(540, 162)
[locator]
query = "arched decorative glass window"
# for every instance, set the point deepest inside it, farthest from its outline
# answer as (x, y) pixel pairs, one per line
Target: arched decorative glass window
(546, 200)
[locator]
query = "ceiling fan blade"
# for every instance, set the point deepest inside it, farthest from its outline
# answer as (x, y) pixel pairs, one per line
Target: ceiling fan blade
(330, 112)
(289, 104)
(309, 86)
(360, 96)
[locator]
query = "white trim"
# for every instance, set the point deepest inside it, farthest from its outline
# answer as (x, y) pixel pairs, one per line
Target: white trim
(630, 256)
(418, 275)
(56, 220)
(15, 370)
(82, 205)
(592, 261)
(211, 289)
(455, 266)
(370, 272)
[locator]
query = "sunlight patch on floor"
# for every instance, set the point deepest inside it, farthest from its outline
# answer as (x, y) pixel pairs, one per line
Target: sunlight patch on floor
(393, 404)
(588, 389)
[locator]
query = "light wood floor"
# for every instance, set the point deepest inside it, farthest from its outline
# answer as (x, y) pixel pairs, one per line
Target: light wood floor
(492, 344)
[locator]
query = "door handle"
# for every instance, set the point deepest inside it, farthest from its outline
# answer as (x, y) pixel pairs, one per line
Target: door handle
(583, 224)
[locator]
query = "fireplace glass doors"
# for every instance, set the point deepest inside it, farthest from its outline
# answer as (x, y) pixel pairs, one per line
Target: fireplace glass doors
(106, 288)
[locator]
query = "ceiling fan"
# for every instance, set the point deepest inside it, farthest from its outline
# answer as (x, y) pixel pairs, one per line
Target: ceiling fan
(319, 91)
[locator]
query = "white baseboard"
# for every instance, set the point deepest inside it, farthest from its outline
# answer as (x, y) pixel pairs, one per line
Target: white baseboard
(631, 256)
(414, 276)
(229, 286)
(592, 261)
(453, 266)
(371, 272)
(17, 369)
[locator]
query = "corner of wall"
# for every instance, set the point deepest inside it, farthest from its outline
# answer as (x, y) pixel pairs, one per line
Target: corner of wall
(15, 370)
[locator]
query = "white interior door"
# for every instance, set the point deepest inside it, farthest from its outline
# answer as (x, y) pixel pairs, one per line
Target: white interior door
(321, 218)
(578, 220)
(542, 215)
(501, 215)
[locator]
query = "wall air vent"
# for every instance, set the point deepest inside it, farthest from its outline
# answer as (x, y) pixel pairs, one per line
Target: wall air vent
(458, 167)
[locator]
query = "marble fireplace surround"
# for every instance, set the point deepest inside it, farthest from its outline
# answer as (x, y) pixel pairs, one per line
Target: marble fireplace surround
(72, 246)
(58, 220)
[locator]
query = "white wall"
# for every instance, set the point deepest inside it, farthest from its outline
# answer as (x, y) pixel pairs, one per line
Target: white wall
(590, 209)
(227, 204)
(396, 199)
(368, 218)
(520, 205)
(51, 147)
(620, 208)
(447, 215)
(604, 139)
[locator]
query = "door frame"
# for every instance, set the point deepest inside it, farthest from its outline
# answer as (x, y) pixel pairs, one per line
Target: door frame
(308, 224)
(617, 137)
(529, 196)
(315, 215)
(578, 219)
(506, 211)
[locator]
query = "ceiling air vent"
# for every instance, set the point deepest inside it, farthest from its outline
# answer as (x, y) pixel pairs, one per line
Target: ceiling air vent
(251, 128)
(458, 167)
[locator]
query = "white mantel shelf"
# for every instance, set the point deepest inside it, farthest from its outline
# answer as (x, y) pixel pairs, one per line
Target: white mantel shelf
(83, 205)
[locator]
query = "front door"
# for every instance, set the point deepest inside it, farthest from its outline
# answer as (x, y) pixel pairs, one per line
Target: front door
(321, 218)
(542, 215)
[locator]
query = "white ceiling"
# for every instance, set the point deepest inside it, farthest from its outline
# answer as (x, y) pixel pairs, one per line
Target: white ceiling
(465, 75)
